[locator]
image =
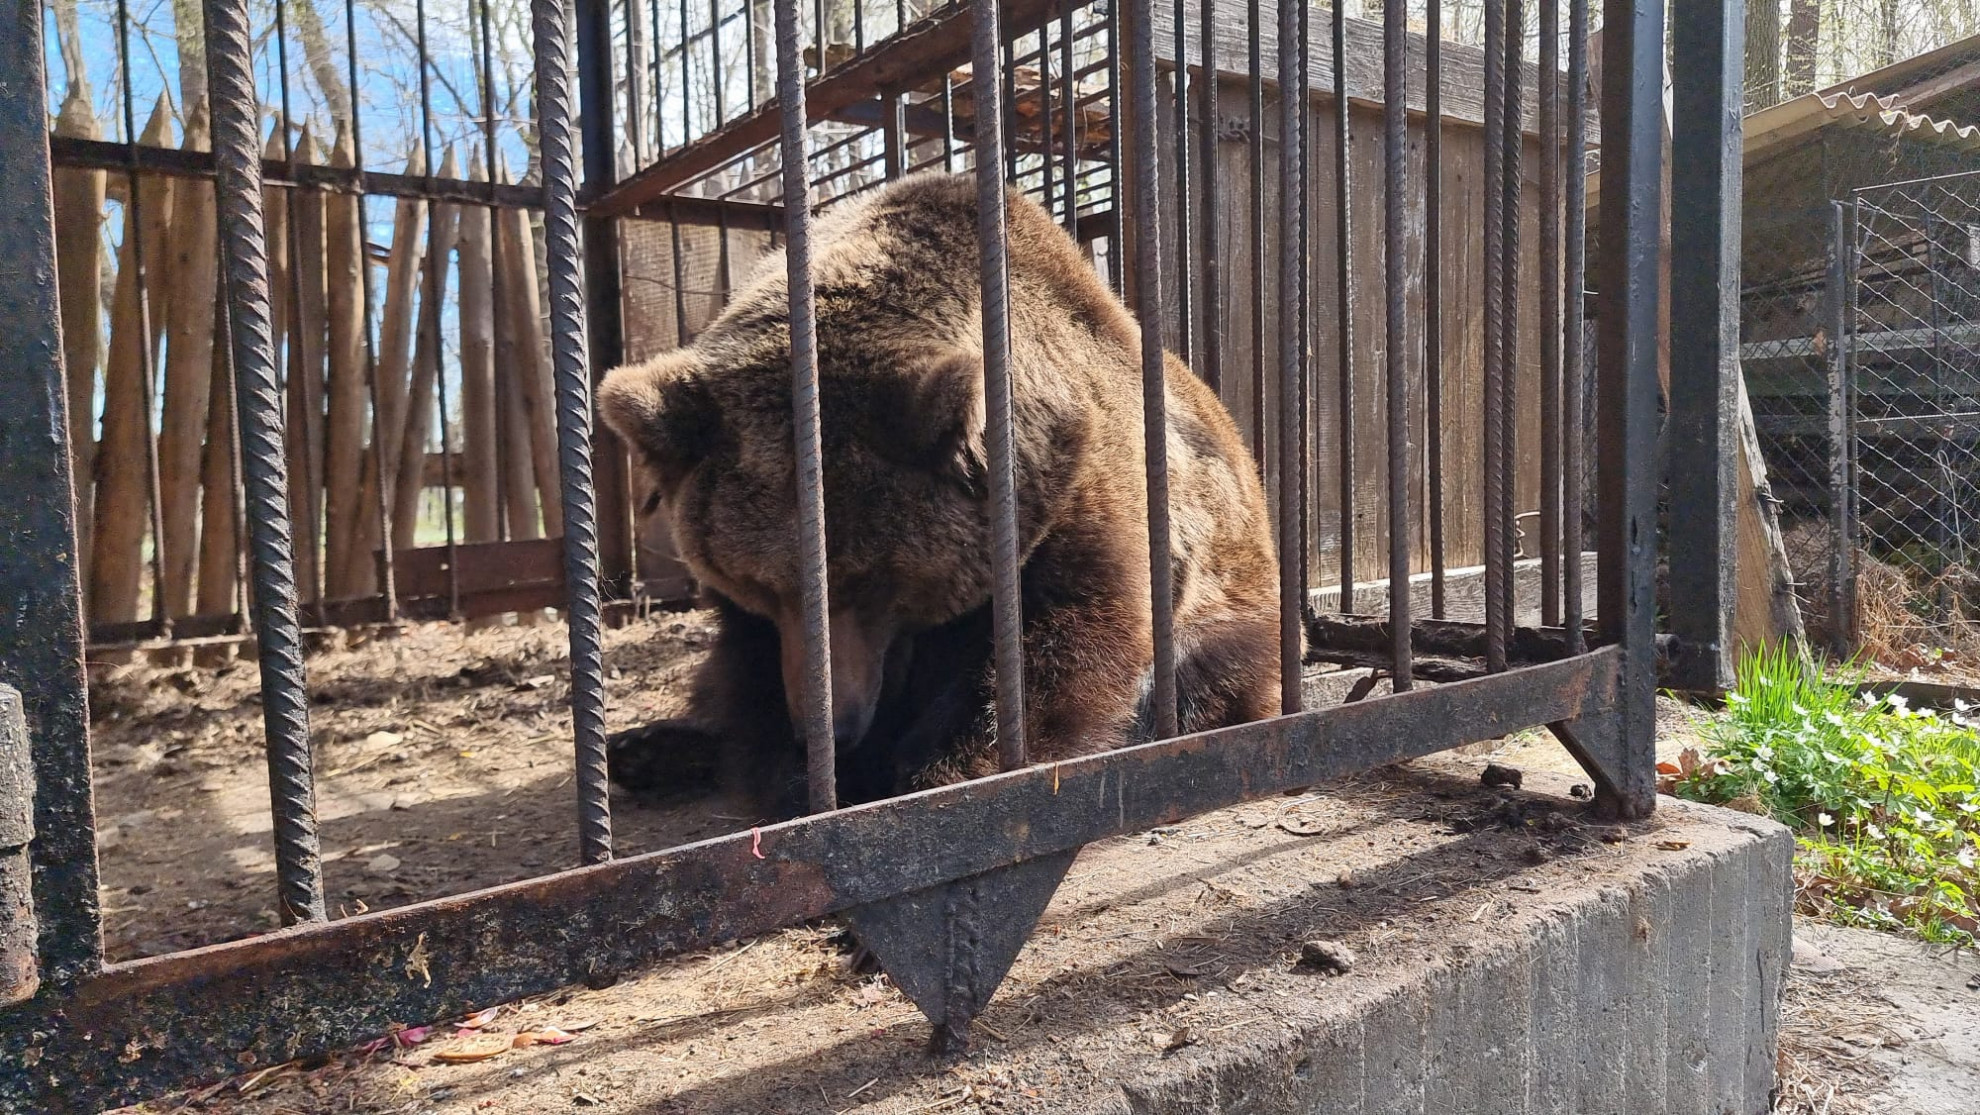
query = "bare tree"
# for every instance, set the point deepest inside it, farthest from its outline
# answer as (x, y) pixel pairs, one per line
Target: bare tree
(1804, 25)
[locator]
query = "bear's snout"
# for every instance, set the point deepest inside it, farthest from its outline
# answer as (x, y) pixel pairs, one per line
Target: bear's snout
(859, 662)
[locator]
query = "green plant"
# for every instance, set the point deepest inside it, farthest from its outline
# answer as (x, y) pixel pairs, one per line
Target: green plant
(1882, 796)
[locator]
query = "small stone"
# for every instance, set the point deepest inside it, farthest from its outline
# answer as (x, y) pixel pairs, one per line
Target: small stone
(384, 863)
(1581, 790)
(1330, 958)
(1497, 775)
(1346, 877)
(1612, 836)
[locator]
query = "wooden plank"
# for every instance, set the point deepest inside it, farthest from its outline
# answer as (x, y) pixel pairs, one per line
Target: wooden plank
(481, 512)
(348, 570)
(122, 501)
(522, 304)
(219, 539)
(392, 360)
(515, 468)
(308, 325)
(79, 196)
(482, 567)
(414, 473)
(929, 47)
(186, 298)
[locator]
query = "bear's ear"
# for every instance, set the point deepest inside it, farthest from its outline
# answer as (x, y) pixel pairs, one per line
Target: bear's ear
(663, 409)
(936, 421)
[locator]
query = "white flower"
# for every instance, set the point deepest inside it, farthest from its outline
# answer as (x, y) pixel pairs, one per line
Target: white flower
(1897, 701)
(1824, 820)
(1770, 776)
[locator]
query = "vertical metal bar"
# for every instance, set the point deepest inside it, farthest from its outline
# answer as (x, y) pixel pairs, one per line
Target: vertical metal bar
(1344, 303)
(715, 64)
(687, 91)
(948, 124)
(1047, 172)
(1402, 520)
(635, 93)
(749, 54)
(1841, 541)
(1254, 29)
(1292, 354)
(41, 626)
(1515, 145)
(1154, 389)
(430, 313)
(1184, 313)
(1433, 292)
(1497, 499)
(1071, 98)
(296, 393)
(1632, 187)
(1707, 148)
(387, 578)
(659, 56)
(1213, 320)
(1935, 266)
(1549, 80)
(604, 308)
(1007, 115)
(284, 702)
(1573, 367)
(1007, 619)
(1117, 249)
(567, 357)
(893, 129)
(681, 334)
(816, 698)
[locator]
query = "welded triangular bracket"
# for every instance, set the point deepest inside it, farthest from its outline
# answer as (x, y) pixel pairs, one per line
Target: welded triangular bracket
(948, 947)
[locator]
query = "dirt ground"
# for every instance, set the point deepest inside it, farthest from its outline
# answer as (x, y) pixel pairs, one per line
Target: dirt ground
(444, 765)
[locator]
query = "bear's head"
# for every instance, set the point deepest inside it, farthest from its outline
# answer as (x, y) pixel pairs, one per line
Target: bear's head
(902, 433)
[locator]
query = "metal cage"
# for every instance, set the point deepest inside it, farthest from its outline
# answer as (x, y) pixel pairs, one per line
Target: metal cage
(84, 1033)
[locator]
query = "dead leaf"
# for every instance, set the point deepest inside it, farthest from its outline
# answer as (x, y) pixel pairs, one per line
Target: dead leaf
(479, 1018)
(384, 739)
(580, 1027)
(549, 1035)
(468, 1050)
(1181, 1038)
(1669, 768)
(1673, 845)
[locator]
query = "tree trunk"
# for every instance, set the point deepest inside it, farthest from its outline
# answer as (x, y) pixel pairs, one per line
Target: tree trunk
(1804, 28)
(321, 60)
(1763, 54)
(523, 308)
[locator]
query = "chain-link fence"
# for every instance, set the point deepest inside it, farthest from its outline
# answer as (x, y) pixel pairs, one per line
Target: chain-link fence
(1913, 411)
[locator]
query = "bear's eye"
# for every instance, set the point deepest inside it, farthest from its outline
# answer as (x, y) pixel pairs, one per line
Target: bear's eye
(652, 503)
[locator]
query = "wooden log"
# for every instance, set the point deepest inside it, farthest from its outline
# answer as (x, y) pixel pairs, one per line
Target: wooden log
(514, 455)
(186, 298)
(308, 311)
(347, 569)
(481, 510)
(420, 401)
(79, 267)
(219, 538)
(402, 272)
(522, 304)
(122, 498)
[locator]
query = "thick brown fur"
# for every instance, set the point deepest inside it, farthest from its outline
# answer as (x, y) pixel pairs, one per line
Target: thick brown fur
(900, 385)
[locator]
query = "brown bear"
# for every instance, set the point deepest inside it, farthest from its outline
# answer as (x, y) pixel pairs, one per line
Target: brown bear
(900, 370)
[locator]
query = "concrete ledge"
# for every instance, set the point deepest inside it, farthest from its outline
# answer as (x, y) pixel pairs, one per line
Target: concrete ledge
(1512, 955)
(1656, 991)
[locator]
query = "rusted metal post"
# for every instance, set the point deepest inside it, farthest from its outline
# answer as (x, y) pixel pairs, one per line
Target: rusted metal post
(20, 966)
(41, 631)
(1632, 184)
(1706, 153)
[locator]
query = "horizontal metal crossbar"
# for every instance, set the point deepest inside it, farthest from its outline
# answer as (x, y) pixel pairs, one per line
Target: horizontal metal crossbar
(314, 988)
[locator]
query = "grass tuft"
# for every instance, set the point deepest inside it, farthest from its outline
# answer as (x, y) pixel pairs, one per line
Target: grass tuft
(1882, 796)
